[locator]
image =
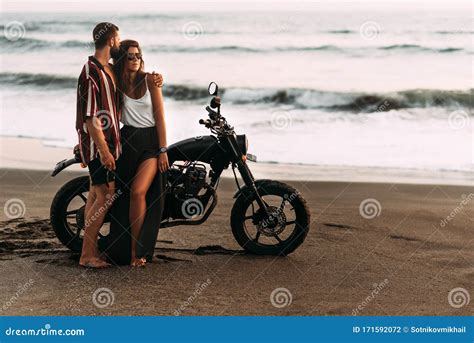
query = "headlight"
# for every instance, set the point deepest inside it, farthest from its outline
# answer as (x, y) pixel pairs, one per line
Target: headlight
(243, 143)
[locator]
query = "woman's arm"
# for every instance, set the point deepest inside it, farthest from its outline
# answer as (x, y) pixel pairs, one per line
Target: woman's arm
(159, 114)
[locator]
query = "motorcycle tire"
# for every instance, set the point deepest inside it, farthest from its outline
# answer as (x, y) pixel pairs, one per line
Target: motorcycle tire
(302, 221)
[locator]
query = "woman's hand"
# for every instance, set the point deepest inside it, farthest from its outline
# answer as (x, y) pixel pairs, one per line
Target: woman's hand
(163, 164)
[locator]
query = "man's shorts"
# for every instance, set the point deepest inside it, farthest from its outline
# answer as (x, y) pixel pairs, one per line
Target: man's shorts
(99, 174)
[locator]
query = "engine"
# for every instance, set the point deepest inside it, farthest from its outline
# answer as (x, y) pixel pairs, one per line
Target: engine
(188, 193)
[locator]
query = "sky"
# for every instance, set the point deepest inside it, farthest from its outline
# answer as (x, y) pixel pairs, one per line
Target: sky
(64, 6)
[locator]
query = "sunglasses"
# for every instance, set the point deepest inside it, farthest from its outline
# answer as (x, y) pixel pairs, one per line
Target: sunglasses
(131, 56)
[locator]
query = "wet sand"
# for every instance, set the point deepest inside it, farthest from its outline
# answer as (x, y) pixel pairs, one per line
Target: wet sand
(405, 261)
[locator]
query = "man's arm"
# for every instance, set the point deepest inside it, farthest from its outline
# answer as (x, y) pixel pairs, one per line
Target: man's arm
(157, 79)
(94, 127)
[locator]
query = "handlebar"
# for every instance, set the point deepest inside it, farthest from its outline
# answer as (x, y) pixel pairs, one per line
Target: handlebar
(214, 118)
(207, 123)
(212, 114)
(216, 123)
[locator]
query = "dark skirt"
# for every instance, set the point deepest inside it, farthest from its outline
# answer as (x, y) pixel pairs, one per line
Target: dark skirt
(138, 144)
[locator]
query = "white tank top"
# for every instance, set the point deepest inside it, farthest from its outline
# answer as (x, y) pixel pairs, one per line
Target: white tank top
(138, 112)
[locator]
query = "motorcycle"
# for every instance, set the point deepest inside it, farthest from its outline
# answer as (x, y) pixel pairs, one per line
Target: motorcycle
(267, 218)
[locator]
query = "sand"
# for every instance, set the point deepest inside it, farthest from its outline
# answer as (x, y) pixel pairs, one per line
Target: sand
(405, 261)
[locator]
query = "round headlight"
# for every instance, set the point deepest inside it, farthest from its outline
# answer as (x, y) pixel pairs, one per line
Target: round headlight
(243, 143)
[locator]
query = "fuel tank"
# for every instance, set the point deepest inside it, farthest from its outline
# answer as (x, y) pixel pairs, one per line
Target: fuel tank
(199, 148)
(202, 148)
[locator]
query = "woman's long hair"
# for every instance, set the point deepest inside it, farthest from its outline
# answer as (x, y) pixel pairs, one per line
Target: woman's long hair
(137, 89)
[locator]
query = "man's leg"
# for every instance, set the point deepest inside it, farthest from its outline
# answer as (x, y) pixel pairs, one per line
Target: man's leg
(94, 218)
(90, 199)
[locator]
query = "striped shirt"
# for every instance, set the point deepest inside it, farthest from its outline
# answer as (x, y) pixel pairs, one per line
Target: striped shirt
(96, 97)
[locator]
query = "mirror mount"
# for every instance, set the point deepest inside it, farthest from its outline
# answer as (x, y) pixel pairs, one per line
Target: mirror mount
(215, 102)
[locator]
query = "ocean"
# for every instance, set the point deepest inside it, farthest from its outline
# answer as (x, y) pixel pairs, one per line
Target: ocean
(345, 87)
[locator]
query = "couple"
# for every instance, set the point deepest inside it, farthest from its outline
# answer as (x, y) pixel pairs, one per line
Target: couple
(124, 164)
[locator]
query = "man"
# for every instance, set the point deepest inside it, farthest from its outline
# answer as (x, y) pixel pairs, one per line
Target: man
(97, 125)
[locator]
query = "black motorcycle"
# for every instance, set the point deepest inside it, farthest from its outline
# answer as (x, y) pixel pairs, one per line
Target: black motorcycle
(268, 217)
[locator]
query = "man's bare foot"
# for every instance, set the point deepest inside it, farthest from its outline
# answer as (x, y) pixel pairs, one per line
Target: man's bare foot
(138, 262)
(94, 263)
(101, 255)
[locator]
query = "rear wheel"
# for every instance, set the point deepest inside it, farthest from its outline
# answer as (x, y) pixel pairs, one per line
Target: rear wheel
(67, 214)
(281, 232)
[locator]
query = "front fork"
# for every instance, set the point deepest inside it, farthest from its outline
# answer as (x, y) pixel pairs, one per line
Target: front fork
(250, 183)
(245, 171)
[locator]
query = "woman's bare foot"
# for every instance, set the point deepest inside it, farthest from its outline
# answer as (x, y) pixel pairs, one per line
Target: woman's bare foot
(94, 263)
(138, 262)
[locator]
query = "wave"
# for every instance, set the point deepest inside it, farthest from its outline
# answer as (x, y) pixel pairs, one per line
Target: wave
(454, 32)
(59, 25)
(352, 101)
(321, 48)
(43, 81)
(171, 48)
(341, 32)
(419, 48)
(297, 97)
(168, 48)
(39, 44)
(440, 32)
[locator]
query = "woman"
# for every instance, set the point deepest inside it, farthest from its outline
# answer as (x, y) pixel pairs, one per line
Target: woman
(144, 159)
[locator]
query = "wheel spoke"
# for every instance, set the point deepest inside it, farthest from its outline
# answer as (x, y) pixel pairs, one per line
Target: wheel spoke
(83, 197)
(257, 237)
(282, 205)
(248, 217)
(78, 231)
(278, 238)
(290, 222)
(68, 213)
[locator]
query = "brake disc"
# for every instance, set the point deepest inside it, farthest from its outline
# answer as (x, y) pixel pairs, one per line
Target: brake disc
(270, 225)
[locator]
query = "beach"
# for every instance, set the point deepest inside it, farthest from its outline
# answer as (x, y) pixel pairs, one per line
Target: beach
(405, 260)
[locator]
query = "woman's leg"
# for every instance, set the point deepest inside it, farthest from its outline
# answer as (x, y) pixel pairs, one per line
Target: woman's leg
(143, 179)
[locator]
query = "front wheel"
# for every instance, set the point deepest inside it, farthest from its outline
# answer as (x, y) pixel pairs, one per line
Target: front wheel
(279, 233)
